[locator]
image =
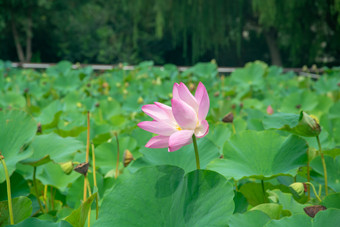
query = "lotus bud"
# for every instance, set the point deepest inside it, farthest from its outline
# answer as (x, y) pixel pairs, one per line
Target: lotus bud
(105, 85)
(128, 157)
(298, 188)
(67, 167)
(270, 110)
(229, 118)
(140, 100)
(309, 125)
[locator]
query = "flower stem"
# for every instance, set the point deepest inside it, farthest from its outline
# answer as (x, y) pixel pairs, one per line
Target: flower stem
(196, 151)
(323, 165)
(9, 196)
(36, 189)
(316, 194)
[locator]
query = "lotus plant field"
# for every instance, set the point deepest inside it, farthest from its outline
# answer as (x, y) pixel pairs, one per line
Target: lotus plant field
(157, 147)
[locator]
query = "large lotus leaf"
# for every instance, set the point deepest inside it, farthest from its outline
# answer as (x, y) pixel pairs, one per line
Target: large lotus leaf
(301, 100)
(301, 124)
(74, 198)
(78, 217)
(22, 208)
(19, 187)
(184, 158)
(17, 129)
(252, 74)
(165, 196)
(254, 218)
(52, 174)
(332, 201)
(329, 218)
(106, 153)
(12, 99)
(35, 222)
(273, 210)
(241, 203)
(254, 192)
(48, 113)
(52, 147)
(298, 220)
(333, 170)
(287, 201)
(262, 155)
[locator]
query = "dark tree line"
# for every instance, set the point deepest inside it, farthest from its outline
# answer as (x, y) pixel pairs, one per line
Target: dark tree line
(289, 33)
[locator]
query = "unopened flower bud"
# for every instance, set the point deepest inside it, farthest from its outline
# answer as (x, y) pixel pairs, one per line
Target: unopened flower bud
(298, 188)
(128, 157)
(270, 110)
(140, 100)
(67, 167)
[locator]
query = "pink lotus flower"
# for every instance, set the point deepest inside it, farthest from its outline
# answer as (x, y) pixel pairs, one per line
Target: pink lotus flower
(270, 110)
(176, 125)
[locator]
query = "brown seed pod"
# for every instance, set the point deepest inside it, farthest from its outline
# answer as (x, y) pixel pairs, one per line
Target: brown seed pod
(39, 129)
(311, 211)
(229, 118)
(82, 168)
(127, 157)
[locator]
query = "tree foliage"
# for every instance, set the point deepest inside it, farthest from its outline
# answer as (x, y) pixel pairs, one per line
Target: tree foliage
(289, 32)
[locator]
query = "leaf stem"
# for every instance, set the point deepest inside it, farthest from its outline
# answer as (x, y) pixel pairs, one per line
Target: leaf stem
(316, 194)
(308, 174)
(36, 189)
(45, 197)
(87, 151)
(263, 191)
(95, 179)
(196, 151)
(233, 126)
(117, 164)
(323, 165)
(9, 196)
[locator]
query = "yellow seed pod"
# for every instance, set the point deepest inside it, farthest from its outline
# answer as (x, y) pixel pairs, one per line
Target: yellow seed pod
(79, 105)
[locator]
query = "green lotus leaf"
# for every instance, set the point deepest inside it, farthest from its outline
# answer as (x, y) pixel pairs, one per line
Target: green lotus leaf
(254, 218)
(22, 209)
(35, 222)
(52, 147)
(78, 217)
(333, 171)
(17, 130)
(184, 158)
(262, 155)
(19, 187)
(106, 153)
(332, 201)
(254, 192)
(300, 124)
(52, 174)
(273, 210)
(165, 196)
(287, 201)
(329, 218)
